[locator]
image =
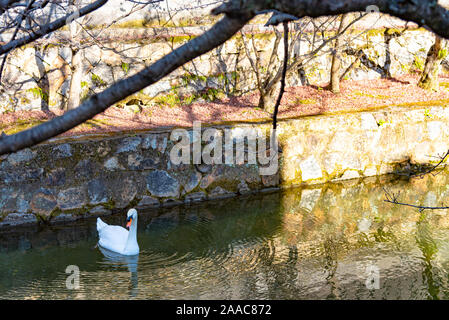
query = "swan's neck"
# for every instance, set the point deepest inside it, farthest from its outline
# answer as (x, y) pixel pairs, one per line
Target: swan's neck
(131, 243)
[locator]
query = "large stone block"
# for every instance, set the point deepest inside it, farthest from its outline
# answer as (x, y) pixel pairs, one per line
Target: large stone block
(44, 202)
(163, 185)
(311, 169)
(72, 198)
(21, 156)
(98, 191)
(124, 191)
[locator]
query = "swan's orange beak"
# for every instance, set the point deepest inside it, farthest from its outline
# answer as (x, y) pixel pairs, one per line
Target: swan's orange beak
(129, 223)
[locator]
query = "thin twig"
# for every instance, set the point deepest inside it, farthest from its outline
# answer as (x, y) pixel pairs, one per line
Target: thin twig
(392, 198)
(442, 159)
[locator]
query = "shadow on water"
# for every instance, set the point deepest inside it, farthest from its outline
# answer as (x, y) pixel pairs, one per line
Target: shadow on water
(334, 241)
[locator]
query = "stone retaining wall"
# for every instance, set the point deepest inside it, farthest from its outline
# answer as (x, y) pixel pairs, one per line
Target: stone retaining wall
(67, 179)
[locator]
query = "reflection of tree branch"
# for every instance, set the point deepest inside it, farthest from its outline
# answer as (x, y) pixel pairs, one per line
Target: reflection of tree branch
(393, 198)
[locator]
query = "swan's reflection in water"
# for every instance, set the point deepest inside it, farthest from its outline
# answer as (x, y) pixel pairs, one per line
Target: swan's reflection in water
(116, 260)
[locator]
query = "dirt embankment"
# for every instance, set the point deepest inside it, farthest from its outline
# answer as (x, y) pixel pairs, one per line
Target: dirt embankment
(297, 101)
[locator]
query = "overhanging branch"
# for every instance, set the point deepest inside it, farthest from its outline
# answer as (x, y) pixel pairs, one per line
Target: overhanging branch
(238, 13)
(423, 12)
(214, 37)
(50, 27)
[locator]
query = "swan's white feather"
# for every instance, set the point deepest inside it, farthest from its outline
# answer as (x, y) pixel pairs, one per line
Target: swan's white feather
(113, 238)
(100, 224)
(116, 238)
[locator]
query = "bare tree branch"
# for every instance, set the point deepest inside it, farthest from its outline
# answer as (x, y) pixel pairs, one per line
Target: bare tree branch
(19, 24)
(310, 55)
(393, 198)
(433, 168)
(238, 13)
(50, 27)
(423, 12)
(217, 35)
(279, 17)
(6, 4)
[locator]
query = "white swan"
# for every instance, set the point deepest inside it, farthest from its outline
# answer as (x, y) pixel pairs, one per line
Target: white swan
(118, 239)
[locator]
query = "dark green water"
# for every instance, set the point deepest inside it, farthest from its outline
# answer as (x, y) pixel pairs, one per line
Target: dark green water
(296, 244)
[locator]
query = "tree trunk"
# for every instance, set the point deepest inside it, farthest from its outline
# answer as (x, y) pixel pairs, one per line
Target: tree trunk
(42, 82)
(76, 65)
(267, 98)
(336, 56)
(389, 34)
(429, 78)
(74, 97)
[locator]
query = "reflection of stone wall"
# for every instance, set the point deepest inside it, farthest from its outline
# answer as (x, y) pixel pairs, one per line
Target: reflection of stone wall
(341, 228)
(71, 178)
(342, 210)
